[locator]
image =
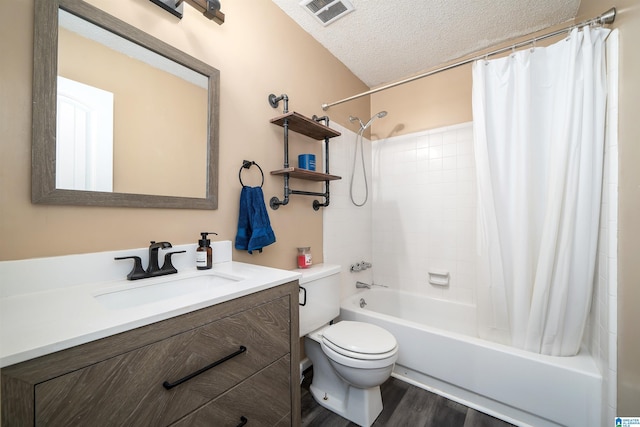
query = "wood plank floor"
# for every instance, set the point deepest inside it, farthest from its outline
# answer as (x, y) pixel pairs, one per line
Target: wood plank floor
(404, 405)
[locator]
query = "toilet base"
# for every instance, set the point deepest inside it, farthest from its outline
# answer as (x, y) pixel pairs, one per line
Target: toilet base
(359, 405)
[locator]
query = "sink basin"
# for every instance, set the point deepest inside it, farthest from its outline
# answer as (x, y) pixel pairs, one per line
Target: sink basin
(130, 295)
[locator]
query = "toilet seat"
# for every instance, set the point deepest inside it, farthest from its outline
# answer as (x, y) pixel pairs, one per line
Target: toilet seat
(356, 355)
(359, 363)
(359, 340)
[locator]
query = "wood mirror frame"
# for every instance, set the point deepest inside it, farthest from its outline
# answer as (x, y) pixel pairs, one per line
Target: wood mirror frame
(43, 162)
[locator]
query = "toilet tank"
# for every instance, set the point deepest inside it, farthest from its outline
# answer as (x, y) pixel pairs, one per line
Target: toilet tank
(321, 283)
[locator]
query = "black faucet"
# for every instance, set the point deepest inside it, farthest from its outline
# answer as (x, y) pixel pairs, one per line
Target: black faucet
(153, 269)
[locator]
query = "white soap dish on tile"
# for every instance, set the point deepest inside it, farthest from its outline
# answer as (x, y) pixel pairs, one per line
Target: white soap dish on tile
(439, 278)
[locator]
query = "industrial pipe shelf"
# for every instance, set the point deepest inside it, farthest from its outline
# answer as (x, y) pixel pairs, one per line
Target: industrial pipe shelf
(305, 126)
(311, 127)
(306, 174)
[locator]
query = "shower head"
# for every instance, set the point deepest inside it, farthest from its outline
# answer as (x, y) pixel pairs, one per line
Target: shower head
(363, 127)
(379, 115)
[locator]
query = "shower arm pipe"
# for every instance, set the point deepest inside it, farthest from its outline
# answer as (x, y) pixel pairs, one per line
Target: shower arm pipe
(604, 19)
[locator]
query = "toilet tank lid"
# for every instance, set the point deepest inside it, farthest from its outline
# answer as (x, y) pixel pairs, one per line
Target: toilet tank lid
(317, 271)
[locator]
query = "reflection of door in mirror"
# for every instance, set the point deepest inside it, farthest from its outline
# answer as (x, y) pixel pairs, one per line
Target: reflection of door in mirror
(84, 137)
(160, 110)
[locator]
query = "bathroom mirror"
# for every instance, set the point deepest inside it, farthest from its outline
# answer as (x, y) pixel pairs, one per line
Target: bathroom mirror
(153, 140)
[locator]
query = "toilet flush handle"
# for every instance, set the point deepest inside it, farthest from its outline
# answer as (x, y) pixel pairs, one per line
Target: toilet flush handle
(304, 299)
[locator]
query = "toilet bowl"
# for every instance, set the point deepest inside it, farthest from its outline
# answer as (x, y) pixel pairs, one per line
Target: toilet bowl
(362, 354)
(350, 359)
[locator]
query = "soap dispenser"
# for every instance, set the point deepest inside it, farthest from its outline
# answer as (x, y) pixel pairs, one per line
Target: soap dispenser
(204, 254)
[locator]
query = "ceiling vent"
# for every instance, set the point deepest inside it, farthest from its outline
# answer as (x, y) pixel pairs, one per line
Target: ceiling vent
(327, 11)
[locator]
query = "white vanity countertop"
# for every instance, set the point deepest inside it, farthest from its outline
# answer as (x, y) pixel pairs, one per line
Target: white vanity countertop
(42, 321)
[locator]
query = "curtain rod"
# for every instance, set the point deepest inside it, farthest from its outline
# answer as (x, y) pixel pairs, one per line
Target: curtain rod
(606, 18)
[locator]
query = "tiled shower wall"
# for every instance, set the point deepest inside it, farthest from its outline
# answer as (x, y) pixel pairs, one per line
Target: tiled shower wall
(347, 228)
(424, 206)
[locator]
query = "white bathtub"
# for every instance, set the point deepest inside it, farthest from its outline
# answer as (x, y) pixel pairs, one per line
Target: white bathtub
(440, 352)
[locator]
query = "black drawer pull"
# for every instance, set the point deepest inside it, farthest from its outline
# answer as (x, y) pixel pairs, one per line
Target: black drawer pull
(169, 385)
(243, 421)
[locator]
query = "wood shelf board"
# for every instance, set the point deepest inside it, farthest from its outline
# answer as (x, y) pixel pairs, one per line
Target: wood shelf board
(305, 126)
(306, 174)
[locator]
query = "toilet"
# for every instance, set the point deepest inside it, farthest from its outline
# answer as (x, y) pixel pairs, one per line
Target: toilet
(350, 359)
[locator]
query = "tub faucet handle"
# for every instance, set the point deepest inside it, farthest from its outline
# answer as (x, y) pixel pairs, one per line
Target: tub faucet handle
(359, 266)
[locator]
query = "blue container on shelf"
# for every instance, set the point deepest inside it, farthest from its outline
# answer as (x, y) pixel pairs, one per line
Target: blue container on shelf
(307, 161)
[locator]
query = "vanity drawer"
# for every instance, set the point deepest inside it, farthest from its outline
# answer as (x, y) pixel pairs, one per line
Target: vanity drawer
(263, 400)
(128, 389)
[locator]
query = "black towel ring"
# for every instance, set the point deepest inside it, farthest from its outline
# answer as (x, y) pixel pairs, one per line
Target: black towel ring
(246, 164)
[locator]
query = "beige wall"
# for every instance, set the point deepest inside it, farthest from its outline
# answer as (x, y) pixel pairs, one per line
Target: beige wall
(442, 99)
(628, 22)
(258, 50)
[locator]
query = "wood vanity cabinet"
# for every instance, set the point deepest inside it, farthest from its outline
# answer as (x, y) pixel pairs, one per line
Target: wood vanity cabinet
(118, 380)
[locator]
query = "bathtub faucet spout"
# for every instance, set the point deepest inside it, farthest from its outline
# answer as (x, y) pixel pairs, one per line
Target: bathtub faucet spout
(362, 285)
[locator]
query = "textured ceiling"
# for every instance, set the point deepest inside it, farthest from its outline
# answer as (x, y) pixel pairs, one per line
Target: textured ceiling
(386, 40)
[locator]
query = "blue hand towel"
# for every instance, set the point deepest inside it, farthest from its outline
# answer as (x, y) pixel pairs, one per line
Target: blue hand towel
(254, 227)
(261, 232)
(244, 226)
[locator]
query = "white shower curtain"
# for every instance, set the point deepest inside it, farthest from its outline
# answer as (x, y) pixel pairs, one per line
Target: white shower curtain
(539, 144)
